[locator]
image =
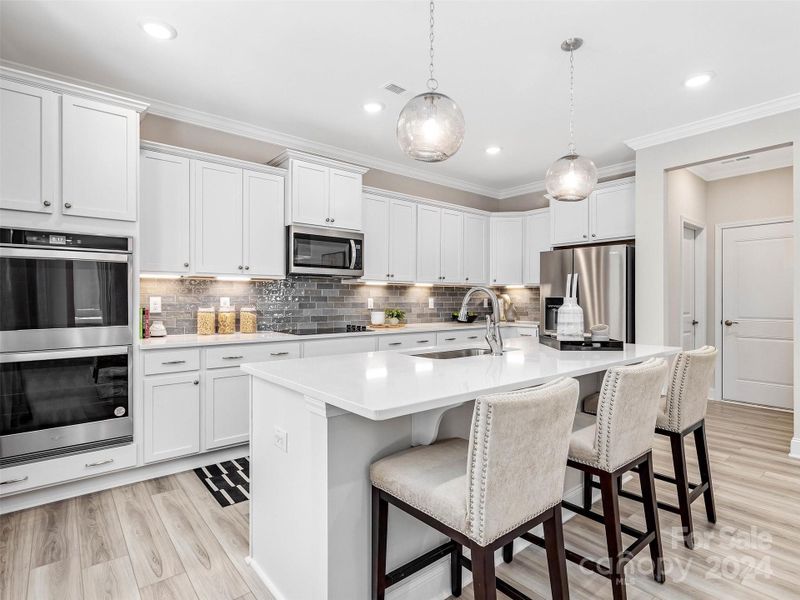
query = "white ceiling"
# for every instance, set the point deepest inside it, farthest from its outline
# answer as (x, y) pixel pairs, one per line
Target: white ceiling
(755, 162)
(305, 68)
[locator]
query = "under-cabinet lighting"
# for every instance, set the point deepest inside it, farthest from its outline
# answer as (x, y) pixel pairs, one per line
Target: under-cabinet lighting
(423, 285)
(376, 283)
(158, 276)
(233, 278)
(515, 287)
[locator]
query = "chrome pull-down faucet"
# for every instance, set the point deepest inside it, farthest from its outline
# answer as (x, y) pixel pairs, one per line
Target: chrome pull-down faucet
(493, 337)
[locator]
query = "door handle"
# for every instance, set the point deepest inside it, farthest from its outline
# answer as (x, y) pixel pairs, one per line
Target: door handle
(173, 362)
(352, 254)
(232, 357)
(99, 463)
(278, 353)
(728, 323)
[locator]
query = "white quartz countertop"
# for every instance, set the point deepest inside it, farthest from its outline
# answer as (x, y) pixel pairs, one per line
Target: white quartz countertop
(384, 385)
(184, 341)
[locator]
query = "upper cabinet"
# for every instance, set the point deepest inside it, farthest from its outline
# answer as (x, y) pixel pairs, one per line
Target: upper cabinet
(390, 229)
(217, 209)
(476, 249)
(452, 253)
(81, 161)
(507, 237)
(321, 191)
(537, 240)
(607, 214)
(429, 244)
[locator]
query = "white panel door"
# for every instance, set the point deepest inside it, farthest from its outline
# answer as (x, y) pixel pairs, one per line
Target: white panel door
(227, 407)
(310, 193)
(171, 416)
(28, 148)
(688, 308)
(164, 213)
(612, 212)
(757, 280)
(569, 222)
(429, 244)
(264, 240)
(537, 240)
(452, 246)
(376, 238)
(476, 249)
(99, 152)
(345, 199)
(403, 241)
(217, 207)
(507, 238)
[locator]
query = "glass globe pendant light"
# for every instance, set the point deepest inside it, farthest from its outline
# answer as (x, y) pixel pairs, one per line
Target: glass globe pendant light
(431, 125)
(572, 177)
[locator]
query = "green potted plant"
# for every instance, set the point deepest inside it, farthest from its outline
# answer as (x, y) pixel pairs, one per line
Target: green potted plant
(394, 316)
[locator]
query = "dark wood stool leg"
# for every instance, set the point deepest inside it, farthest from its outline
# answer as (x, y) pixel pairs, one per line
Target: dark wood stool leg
(610, 497)
(648, 486)
(701, 443)
(380, 521)
(587, 490)
(455, 570)
(682, 485)
(484, 584)
(508, 552)
(556, 556)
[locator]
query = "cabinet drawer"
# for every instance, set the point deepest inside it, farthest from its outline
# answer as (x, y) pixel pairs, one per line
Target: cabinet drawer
(459, 337)
(171, 361)
(232, 356)
(19, 478)
(516, 332)
(406, 340)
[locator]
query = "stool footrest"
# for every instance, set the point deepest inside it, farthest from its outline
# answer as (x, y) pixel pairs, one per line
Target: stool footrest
(419, 563)
(502, 586)
(670, 479)
(598, 518)
(693, 495)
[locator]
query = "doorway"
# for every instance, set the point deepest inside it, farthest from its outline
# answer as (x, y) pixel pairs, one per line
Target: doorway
(693, 285)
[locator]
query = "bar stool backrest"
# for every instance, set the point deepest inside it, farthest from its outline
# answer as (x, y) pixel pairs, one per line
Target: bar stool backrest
(627, 411)
(517, 456)
(688, 386)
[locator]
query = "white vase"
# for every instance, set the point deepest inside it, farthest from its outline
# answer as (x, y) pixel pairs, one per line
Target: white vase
(377, 317)
(570, 321)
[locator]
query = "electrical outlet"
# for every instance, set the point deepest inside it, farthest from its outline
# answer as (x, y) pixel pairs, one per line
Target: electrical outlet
(281, 439)
(155, 304)
(370, 303)
(430, 303)
(224, 302)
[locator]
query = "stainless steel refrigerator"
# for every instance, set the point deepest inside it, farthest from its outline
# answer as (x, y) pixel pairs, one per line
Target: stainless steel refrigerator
(605, 287)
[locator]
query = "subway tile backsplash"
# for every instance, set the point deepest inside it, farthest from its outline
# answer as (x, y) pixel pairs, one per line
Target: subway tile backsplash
(314, 304)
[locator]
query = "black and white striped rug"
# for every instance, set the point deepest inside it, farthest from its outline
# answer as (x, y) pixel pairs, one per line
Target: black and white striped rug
(228, 482)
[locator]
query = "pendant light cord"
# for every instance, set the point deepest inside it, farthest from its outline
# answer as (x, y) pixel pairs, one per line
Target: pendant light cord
(572, 102)
(432, 83)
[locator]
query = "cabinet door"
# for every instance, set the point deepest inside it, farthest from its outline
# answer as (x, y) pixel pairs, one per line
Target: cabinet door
(452, 246)
(309, 193)
(569, 222)
(345, 199)
(264, 235)
(28, 148)
(402, 241)
(376, 238)
(475, 249)
(227, 407)
(217, 208)
(165, 221)
(171, 416)
(507, 236)
(537, 240)
(612, 212)
(99, 152)
(429, 244)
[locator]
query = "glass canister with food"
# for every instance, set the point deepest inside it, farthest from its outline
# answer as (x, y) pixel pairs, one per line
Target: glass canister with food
(206, 320)
(248, 322)
(227, 320)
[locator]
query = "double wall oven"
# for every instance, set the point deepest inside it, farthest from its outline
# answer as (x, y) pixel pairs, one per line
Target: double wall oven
(65, 343)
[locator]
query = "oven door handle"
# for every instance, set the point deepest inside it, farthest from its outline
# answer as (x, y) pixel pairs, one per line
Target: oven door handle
(15, 357)
(352, 254)
(85, 255)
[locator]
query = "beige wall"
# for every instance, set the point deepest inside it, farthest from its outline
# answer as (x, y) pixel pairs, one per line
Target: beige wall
(194, 137)
(536, 200)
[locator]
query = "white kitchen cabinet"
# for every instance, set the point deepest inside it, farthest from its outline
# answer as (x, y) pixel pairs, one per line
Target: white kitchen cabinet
(217, 207)
(227, 407)
(165, 244)
(468, 336)
(400, 341)
(537, 240)
(429, 244)
(402, 241)
(476, 249)
(264, 235)
(99, 159)
(452, 253)
(507, 248)
(389, 239)
(28, 147)
(171, 416)
(607, 214)
(345, 199)
(376, 238)
(346, 345)
(569, 222)
(310, 193)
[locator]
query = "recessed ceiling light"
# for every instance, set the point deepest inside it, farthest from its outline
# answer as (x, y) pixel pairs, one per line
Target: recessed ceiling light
(493, 150)
(158, 29)
(698, 79)
(373, 107)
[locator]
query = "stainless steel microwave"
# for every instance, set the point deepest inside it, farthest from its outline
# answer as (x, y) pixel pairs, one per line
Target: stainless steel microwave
(324, 251)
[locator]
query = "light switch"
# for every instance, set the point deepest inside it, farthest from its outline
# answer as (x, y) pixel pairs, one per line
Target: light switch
(155, 304)
(430, 303)
(224, 302)
(281, 439)
(370, 303)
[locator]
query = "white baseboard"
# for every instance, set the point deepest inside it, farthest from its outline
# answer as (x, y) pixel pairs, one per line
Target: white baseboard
(794, 448)
(264, 579)
(71, 489)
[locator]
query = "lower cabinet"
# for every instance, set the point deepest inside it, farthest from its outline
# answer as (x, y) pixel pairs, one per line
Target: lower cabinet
(171, 415)
(227, 407)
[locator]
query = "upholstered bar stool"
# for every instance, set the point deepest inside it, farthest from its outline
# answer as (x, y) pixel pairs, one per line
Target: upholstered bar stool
(483, 493)
(620, 441)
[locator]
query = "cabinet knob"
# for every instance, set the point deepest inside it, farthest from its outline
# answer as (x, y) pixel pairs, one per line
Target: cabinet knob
(46, 203)
(240, 267)
(594, 235)
(67, 205)
(333, 220)
(584, 236)
(466, 279)
(196, 382)
(186, 264)
(328, 220)
(388, 275)
(247, 267)
(392, 275)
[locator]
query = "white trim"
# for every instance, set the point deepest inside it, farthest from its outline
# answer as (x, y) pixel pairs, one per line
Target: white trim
(215, 158)
(717, 318)
(289, 154)
(539, 186)
(734, 117)
(767, 160)
(380, 192)
(794, 448)
(700, 271)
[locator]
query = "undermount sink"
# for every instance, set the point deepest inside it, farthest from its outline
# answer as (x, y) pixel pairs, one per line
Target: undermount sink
(463, 353)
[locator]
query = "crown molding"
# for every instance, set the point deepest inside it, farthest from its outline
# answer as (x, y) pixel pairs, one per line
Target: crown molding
(734, 117)
(289, 154)
(392, 195)
(622, 168)
(207, 157)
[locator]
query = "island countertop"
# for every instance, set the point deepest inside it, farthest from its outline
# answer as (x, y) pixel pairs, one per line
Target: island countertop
(385, 385)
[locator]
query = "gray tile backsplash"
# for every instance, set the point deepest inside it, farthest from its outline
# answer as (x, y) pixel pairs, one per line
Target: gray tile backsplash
(314, 303)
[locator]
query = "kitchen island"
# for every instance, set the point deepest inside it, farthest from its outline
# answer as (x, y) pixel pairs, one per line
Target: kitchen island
(318, 423)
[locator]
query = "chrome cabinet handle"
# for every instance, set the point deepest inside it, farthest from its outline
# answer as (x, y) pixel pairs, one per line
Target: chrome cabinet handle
(473, 337)
(46, 202)
(423, 341)
(17, 480)
(395, 343)
(525, 335)
(67, 205)
(99, 463)
(173, 362)
(449, 339)
(278, 353)
(232, 357)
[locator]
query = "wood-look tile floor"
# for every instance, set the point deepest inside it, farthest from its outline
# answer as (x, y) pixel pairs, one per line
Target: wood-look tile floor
(168, 539)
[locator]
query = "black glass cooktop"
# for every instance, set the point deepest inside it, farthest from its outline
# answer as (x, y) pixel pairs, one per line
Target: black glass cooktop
(347, 329)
